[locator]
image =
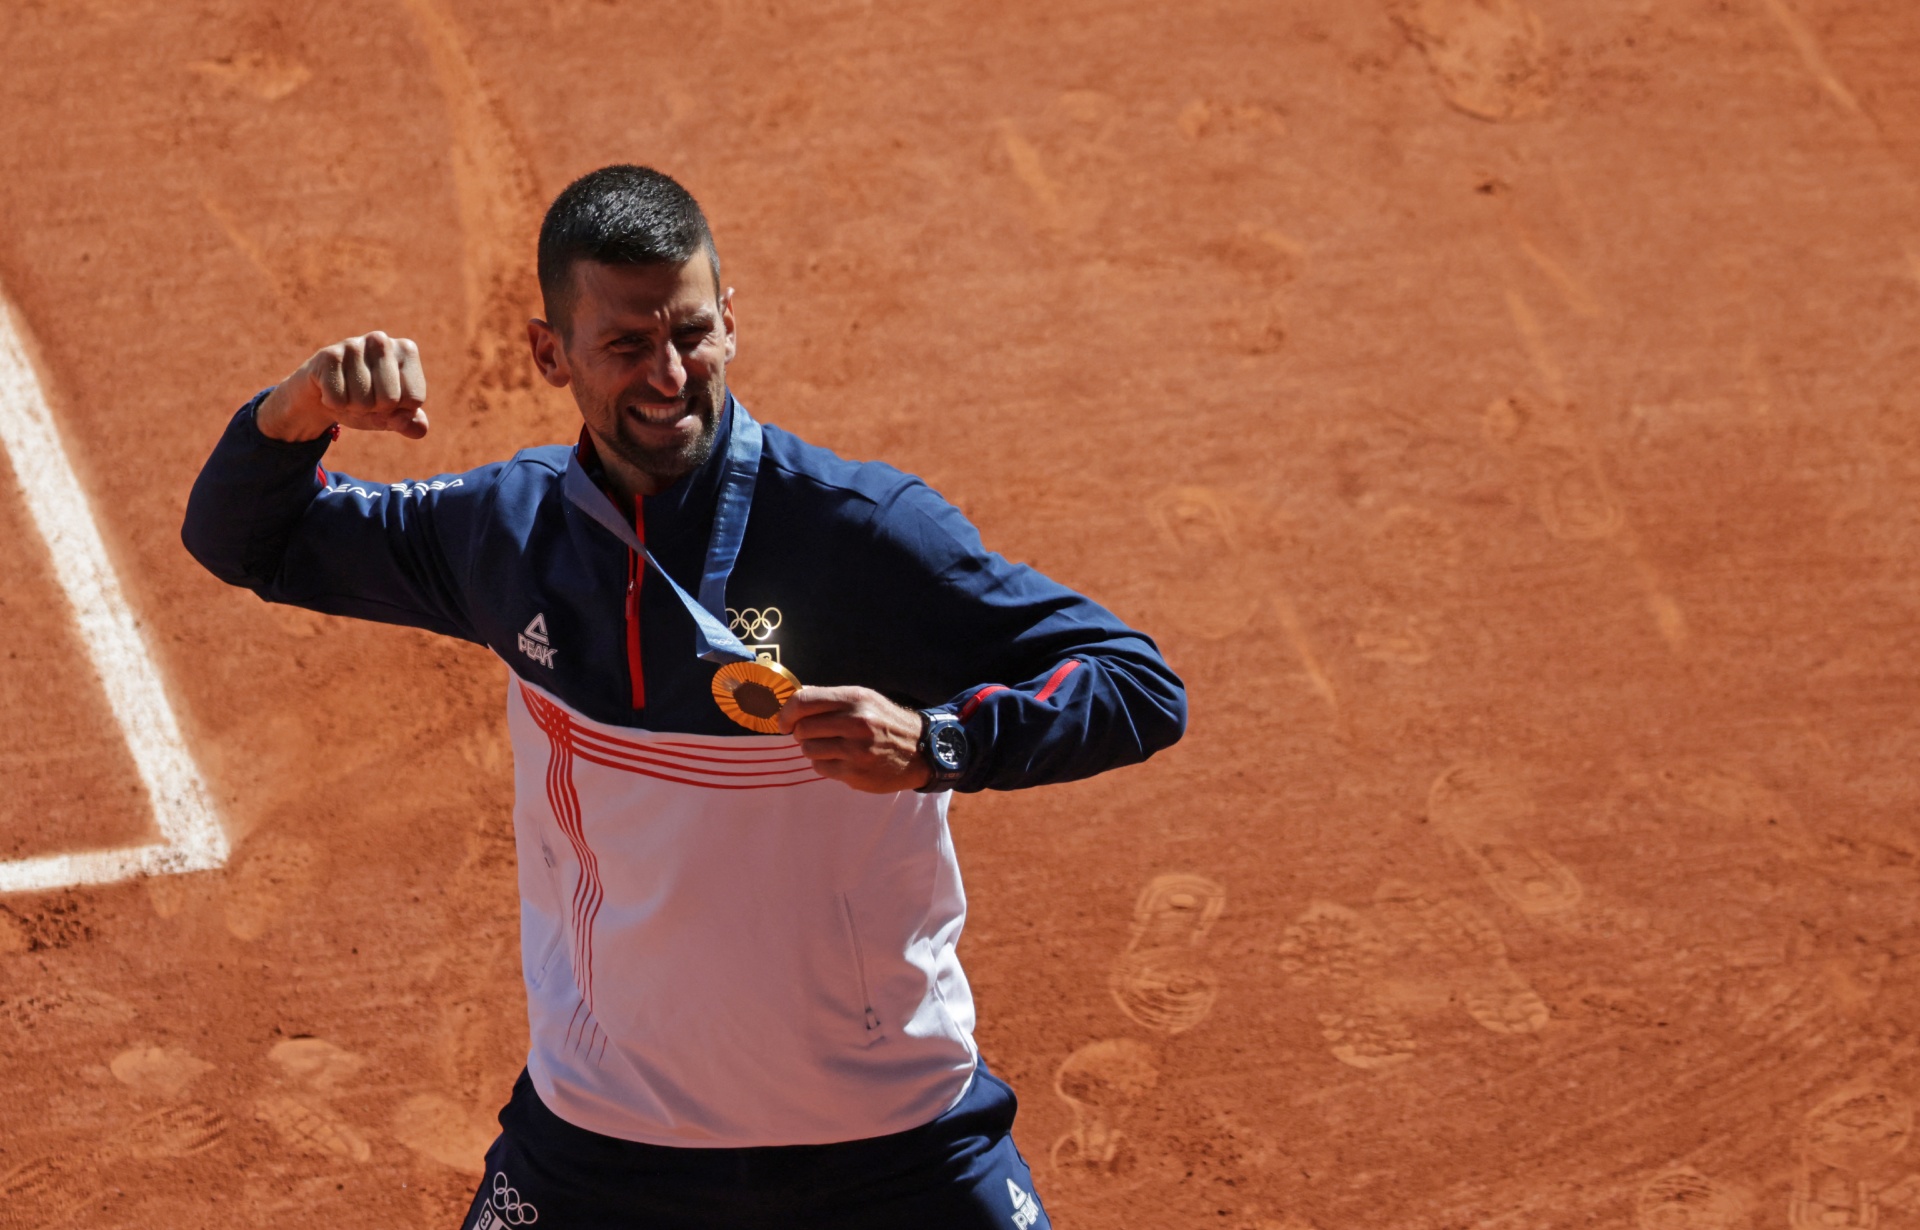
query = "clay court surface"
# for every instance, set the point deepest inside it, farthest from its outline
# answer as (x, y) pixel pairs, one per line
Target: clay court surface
(1503, 415)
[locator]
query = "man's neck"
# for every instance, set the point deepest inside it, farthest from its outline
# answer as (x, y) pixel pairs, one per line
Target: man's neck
(623, 481)
(630, 484)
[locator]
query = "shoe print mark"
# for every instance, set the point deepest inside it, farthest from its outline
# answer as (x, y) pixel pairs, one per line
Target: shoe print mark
(1684, 1199)
(1203, 571)
(1859, 1130)
(1162, 980)
(1568, 492)
(311, 1129)
(162, 1071)
(436, 1126)
(1459, 946)
(1569, 486)
(176, 1131)
(1488, 57)
(1338, 955)
(48, 1187)
(1845, 1147)
(1101, 1083)
(1481, 811)
(315, 1062)
(1856, 843)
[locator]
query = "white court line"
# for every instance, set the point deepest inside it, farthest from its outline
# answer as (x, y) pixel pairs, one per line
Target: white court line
(191, 838)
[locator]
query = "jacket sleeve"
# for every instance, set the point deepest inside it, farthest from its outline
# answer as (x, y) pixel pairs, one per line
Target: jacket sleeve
(1050, 685)
(266, 515)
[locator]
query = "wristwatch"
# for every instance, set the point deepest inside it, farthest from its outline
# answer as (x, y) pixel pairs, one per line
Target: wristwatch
(944, 746)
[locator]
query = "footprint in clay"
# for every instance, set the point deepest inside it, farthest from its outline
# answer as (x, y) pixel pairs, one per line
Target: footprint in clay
(436, 1126)
(1101, 1083)
(1204, 581)
(1488, 57)
(1162, 980)
(1338, 955)
(308, 1128)
(160, 1071)
(1684, 1199)
(1479, 808)
(1845, 1148)
(1731, 795)
(48, 1188)
(315, 1062)
(177, 1131)
(1572, 498)
(1458, 947)
(1569, 491)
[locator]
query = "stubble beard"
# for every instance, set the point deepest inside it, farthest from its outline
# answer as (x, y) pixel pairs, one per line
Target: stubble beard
(666, 466)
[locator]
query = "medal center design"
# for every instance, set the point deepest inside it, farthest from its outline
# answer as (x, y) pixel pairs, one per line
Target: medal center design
(756, 699)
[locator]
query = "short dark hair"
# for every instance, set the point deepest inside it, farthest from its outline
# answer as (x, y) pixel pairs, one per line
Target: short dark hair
(619, 215)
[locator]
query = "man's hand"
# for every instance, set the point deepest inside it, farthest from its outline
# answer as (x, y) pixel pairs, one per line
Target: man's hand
(370, 383)
(857, 736)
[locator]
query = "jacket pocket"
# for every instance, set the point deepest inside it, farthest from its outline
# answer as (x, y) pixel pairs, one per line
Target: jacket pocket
(870, 1019)
(544, 966)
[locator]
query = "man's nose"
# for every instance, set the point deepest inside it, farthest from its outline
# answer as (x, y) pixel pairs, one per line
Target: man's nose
(668, 372)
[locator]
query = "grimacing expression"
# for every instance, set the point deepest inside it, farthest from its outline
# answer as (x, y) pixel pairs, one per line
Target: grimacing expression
(647, 348)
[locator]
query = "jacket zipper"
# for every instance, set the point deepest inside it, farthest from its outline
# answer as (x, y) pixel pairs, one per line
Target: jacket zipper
(636, 573)
(860, 965)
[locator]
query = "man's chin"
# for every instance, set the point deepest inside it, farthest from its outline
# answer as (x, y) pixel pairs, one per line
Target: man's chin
(667, 455)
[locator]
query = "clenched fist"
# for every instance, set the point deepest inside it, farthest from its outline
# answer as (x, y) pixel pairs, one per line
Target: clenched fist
(370, 383)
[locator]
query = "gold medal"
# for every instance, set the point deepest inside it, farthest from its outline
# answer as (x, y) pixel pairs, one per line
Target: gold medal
(752, 692)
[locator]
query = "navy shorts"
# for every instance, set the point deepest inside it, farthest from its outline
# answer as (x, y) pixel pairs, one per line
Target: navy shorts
(959, 1172)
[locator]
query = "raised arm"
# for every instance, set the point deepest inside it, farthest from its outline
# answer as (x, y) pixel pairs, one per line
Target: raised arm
(265, 514)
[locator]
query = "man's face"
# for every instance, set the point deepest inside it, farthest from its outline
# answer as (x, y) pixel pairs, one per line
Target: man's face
(645, 350)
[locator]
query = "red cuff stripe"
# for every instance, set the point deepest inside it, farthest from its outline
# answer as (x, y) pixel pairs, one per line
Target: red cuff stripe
(973, 702)
(1059, 677)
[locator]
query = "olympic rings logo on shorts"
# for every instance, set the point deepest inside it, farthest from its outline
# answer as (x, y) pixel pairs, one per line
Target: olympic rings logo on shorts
(513, 1210)
(753, 624)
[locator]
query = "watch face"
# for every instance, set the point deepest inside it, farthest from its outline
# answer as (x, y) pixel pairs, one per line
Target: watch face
(949, 745)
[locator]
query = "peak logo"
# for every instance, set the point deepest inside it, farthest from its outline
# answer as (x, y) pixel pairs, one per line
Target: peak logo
(535, 643)
(1026, 1210)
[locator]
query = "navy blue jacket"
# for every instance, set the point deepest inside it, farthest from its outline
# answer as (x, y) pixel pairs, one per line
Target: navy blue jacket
(876, 581)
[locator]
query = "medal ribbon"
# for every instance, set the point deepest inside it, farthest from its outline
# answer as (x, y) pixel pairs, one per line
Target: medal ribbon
(739, 470)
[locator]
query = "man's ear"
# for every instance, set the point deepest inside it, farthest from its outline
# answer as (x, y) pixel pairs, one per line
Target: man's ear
(549, 353)
(726, 320)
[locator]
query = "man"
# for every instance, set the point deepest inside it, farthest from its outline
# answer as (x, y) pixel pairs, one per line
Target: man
(745, 1002)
